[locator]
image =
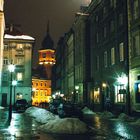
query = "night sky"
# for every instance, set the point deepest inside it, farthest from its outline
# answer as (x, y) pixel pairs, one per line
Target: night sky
(33, 16)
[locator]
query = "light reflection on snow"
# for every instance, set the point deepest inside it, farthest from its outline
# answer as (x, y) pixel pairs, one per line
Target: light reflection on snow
(122, 130)
(97, 122)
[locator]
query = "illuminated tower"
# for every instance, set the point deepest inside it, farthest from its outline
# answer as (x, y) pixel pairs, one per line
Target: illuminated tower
(47, 55)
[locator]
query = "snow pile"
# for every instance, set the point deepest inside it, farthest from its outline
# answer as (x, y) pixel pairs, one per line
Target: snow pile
(40, 115)
(86, 110)
(137, 122)
(125, 117)
(64, 126)
(1, 107)
(35, 111)
(46, 117)
(107, 114)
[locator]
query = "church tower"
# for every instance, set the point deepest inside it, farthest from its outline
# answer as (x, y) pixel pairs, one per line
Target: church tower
(47, 55)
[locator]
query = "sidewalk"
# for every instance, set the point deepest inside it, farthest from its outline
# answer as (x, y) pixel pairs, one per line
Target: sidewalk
(3, 118)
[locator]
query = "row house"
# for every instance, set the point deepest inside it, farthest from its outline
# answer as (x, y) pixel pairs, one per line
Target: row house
(17, 52)
(104, 60)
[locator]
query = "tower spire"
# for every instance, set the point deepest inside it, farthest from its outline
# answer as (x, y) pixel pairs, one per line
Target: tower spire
(48, 26)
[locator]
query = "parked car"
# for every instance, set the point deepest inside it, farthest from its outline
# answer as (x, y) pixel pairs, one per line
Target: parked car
(21, 105)
(54, 104)
(44, 105)
(69, 110)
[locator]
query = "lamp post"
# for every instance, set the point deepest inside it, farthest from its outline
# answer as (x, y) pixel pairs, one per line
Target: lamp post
(11, 69)
(75, 93)
(14, 83)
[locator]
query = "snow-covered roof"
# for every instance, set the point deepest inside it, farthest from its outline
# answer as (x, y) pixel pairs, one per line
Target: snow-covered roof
(24, 37)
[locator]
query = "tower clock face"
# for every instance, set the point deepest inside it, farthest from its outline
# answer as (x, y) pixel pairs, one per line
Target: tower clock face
(44, 55)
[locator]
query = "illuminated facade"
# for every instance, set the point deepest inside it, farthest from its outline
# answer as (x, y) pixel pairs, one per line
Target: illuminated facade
(41, 92)
(17, 51)
(134, 40)
(2, 26)
(42, 83)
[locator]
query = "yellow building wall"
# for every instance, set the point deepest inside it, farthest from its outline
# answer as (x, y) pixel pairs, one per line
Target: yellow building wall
(41, 91)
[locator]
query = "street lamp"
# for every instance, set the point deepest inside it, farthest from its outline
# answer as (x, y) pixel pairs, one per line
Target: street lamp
(11, 69)
(75, 93)
(14, 83)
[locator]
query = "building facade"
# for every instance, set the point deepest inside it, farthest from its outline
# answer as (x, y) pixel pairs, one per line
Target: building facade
(106, 42)
(134, 55)
(2, 27)
(41, 92)
(81, 57)
(17, 51)
(109, 59)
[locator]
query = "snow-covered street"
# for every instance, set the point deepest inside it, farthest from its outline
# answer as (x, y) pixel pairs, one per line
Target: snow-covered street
(40, 124)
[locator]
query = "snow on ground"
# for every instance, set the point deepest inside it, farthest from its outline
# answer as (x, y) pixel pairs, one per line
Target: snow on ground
(1, 107)
(41, 115)
(86, 110)
(53, 124)
(136, 122)
(106, 114)
(64, 126)
(125, 117)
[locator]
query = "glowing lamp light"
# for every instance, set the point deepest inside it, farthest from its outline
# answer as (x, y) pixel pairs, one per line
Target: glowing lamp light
(11, 68)
(122, 80)
(62, 95)
(76, 87)
(33, 89)
(104, 85)
(14, 82)
(54, 96)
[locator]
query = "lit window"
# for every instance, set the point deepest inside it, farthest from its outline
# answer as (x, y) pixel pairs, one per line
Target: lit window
(96, 95)
(19, 76)
(138, 87)
(20, 46)
(19, 61)
(121, 51)
(112, 56)
(105, 59)
(120, 97)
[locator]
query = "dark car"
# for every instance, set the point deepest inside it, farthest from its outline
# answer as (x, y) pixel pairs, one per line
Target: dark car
(21, 105)
(69, 110)
(54, 104)
(44, 105)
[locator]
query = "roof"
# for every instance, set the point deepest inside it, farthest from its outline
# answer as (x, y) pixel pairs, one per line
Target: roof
(47, 42)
